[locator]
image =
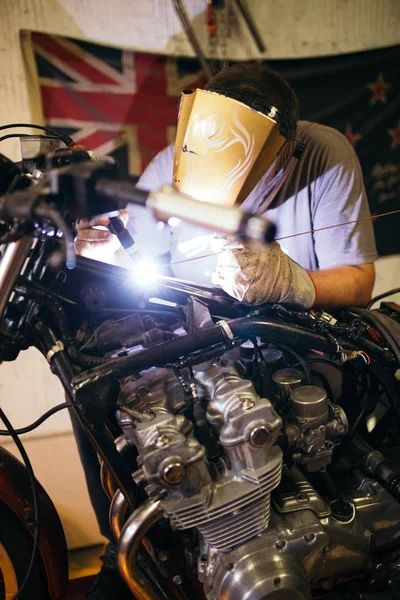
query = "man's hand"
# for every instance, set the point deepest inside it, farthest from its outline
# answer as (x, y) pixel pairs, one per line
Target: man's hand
(265, 275)
(93, 239)
(269, 275)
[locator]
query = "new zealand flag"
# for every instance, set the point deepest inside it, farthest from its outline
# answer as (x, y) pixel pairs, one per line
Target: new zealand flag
(124, 103)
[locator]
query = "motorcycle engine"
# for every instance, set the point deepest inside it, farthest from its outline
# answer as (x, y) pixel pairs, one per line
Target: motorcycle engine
(236, 466)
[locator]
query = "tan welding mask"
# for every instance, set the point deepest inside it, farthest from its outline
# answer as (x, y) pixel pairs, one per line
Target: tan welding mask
(223, 147)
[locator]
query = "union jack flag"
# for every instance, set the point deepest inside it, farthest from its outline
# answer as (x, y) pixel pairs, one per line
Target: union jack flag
(125, 103)
(112, 101)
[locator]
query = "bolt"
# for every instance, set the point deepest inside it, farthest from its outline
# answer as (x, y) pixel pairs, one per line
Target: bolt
(309, 537)
(277, 582)
(280, 544)
(259, 436)
(162, 440)
(162, 556)
(174, 473)
(30, 518)
(177, 579)
(340, 429)
(302, 497)
(247, 404)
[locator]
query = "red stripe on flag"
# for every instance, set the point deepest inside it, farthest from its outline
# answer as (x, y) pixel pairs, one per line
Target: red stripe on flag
(145, 106)
(98, 138)
(72, 60)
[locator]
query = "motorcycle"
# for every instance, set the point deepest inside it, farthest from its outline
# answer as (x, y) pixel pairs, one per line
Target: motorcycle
(247, 452)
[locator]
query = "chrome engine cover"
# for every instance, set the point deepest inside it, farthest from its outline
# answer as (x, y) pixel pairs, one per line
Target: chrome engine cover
(229, 503)
(258, 538)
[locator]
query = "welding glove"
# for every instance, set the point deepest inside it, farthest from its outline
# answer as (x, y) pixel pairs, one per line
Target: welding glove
(267, 274)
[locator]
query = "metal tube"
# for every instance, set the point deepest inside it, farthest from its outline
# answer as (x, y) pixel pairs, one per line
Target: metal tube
(107, 481)
(244, 9)
(180, 10)
(129, 544)
(118, 512)
(10, 266)
(244, 327)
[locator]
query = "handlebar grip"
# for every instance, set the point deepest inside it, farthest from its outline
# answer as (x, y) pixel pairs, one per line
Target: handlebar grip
(168, 202)
(120, 192)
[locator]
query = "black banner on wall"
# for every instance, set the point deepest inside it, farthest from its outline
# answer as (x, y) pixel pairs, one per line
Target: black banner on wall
(359, 94)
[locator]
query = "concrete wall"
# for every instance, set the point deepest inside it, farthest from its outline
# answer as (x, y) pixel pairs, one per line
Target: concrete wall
(290, 28)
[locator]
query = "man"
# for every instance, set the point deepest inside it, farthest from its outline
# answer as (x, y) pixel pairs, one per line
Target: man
(299, 191)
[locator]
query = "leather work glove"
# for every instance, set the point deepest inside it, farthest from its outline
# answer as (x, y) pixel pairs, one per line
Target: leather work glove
(94, 240)
(264, 275)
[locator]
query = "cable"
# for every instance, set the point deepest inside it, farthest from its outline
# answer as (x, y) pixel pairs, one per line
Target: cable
(35, 501)
(372, 217)
(25, 135)
(39, 421)
(368, 315)
(381, 296)
(45, 212)
(325, 361)
(390, 390)
(60, 134)
(300, 359)
(292, 235)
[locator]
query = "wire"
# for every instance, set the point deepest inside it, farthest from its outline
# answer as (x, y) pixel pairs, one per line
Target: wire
(53, 215)
(392, 212)
(381, 296)
(39, 421)
(326, 361)
(25, 135)
(368, 315)
(300, 360)
(59, 134)
(35, 501)
(286, 237)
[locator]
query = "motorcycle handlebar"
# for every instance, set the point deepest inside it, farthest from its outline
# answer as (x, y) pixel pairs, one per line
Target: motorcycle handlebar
(168, 202)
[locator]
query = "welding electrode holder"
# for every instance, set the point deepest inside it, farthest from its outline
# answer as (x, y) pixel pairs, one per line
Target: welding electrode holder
(89, 189)
(127, 242)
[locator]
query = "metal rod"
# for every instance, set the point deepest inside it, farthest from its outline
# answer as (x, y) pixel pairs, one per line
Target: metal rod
(180, 10)
(129, 544)
(243, 327)
(246, 14)
(118, 512)
(107, 481)
(11, 263)
(96, 431)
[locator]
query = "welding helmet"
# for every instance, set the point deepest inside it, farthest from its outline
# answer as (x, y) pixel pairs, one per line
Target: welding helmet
(223, 147)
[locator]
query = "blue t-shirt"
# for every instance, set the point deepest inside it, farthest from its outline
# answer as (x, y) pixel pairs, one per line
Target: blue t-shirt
(324, 188)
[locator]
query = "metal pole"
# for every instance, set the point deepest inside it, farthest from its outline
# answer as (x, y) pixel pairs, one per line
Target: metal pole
(246, 14)
(180, 10)
(129, 544)
(11, 264)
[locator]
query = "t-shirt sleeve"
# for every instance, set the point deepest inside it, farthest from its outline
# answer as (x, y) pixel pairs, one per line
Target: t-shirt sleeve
(153, 238)
(159, 171)
(339, 197)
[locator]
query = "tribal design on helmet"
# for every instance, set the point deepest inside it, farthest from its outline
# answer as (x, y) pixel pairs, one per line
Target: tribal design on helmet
(223, 147)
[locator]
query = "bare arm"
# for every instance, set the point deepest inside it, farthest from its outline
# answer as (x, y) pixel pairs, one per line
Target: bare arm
(343, 286)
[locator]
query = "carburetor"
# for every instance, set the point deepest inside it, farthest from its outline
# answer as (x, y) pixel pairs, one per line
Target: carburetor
(313, 424)
(227, 499)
